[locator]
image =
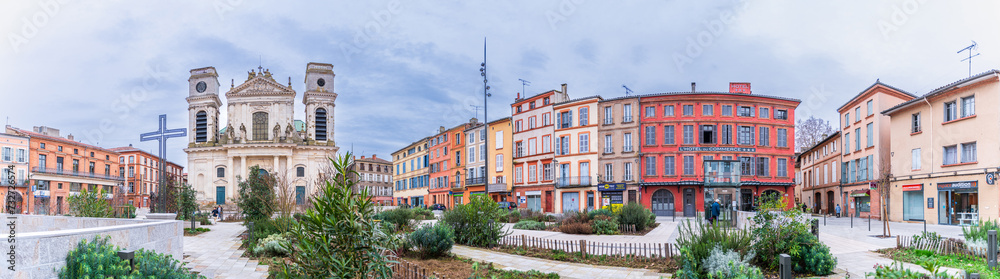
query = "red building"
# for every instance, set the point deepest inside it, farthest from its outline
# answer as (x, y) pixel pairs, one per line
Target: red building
(445, 161)
(696, 147)
(143, 174)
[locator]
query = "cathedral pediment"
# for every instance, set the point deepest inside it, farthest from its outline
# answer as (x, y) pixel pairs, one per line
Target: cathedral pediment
(260, 84)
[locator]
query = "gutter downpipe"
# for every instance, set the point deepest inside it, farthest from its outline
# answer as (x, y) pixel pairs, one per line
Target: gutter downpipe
(931, 132)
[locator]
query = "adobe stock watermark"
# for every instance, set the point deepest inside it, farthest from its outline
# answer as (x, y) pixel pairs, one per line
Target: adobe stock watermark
(564, 10)
(11, 206)
(899, 16)
(33, 23)
(818, 100)
(714, 28)
(126, 104)
(223, 7)
(363, 37)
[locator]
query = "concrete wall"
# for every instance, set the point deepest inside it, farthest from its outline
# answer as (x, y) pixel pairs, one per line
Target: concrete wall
(42, 242)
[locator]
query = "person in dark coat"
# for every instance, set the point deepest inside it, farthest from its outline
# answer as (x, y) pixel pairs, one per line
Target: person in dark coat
(715, 211)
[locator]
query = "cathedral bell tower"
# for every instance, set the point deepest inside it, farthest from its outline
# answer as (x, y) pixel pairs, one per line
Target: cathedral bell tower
(319, 100)
(203, 107)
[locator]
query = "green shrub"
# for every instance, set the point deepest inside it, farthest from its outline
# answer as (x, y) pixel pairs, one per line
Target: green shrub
(98, 259)
(256, 195)
(603, 224)
(699, 242)
(90, 204)
(576, 228)
(513, 216)
(634, 214)
(422, 213)
(337, 236)
(722, 263)
(604, 212)
(785, 232)
(400, 218)
(433, 241)
(816, 259)
(737, 271)
(275, 245)
(530, 225)
(978, 232)
(477, 223)
(895, 270)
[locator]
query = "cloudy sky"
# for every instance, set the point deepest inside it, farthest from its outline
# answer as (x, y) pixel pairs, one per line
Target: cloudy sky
(103, 71)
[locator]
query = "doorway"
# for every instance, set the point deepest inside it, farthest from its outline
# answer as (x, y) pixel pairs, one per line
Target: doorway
(570, 202)
(689, 202)
(663, 203)
(220, 195)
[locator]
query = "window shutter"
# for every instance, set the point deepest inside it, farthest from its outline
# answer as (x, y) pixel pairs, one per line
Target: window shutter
(753, 131)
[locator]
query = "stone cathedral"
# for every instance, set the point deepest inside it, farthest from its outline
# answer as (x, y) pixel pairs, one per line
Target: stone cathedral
(260, 131)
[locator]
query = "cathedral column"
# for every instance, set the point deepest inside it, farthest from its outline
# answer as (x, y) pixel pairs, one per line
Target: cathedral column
(277, 168)
(232, 175)
(243, 168)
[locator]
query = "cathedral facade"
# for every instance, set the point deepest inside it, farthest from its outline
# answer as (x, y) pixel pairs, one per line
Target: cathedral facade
(260, 131)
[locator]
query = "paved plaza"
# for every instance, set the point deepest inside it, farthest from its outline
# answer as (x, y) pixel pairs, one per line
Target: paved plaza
(216, 254)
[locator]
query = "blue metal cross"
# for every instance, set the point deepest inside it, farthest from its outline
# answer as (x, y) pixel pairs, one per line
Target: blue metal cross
(161, 136)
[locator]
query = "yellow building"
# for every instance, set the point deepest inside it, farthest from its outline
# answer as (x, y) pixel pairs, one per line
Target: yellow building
(938, 175)
(501, 135)
(411, 174)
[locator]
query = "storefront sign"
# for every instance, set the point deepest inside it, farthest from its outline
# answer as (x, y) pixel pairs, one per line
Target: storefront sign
(477, 193)
(958, 185)
(991, 178)
(930, 203)
(872, 185)
(456, 193)
(719, 149)
(611, 187)
(913, 187)
(859, 193)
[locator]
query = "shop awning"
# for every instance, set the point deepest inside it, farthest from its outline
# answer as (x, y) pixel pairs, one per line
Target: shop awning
(860, 193)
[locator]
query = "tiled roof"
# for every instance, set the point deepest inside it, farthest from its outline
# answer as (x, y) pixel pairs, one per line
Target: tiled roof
(877, 82)
(713, 93)
(579, 99)
(33, 134)
(835, 134)
(940, 90)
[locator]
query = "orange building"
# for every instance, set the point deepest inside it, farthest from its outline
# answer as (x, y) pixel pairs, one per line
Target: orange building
(14, 171)
(61, 167)
(143, 174)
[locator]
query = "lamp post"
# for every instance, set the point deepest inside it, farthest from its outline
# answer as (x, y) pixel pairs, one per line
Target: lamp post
(486, 115)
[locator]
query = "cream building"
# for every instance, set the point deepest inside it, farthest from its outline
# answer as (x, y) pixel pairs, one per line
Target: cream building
(820, 180)
(576, 155)
(411, 174)
(939, 175)
(260, 131)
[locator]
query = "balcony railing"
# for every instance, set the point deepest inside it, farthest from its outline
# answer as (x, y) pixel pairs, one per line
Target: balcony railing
(627, 148)
(573, 181)
(609, 150)
(475, 180)
(565, 124)
(456, 185)
(76, 173)
(627, 119)
(608, 121)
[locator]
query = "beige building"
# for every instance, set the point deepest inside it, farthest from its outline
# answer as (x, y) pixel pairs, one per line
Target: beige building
(617, 142)
(820, 179)
(411, 174)
(866, 138)
(260, 131)
(374, 174)
(576, 154)
(938, 174)
(14, 170)
(534, 176)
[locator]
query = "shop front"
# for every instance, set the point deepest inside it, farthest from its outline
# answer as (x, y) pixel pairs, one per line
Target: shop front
(861, 201)
(913, 202)
(958, 203)
(458, 198)
(499, 192)
(612, 195)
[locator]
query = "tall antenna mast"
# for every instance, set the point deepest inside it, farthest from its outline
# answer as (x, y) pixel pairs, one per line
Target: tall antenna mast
(477, 110)
(970, 48)
(523, 83)
(627, 90)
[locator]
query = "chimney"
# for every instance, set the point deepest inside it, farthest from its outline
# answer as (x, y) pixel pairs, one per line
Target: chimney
(374, 157)
(69, 137)
(518, 96)
(692, 87)
(441, 129)
(362, 157)
(564, 88)
(473, 121)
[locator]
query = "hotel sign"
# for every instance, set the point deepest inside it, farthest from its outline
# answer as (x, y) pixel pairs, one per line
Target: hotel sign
(611, 187)
(719, 149)
(958, 185)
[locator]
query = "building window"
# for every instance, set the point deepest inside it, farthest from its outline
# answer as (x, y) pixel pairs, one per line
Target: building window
(857, 114)
(650, 166)
(201, 127)
(781, 114)
(968, 152)
(688, 134)
(764, 113)
(584, 143)
(746, 135)
(746, 111)
(950, 155)
(765, 136)
(746, 165)
(545, 119)
(219, 172)
(847, 143)
(650, 135)
(968, 106)
(870, 108)
(915, 123)
(627, 171)
(782, 170)
(870, 136)
(627, 113)
(546, 144)
(547, 171)
(669, 165)
(688, 165)
(762, 166)
(7, 154)
(706, 110)
(608, 144)
(531, 105)
(531, 125)
(668, 111)
(688, 110)
(857, 139)
(41, 145)
(847, 119)
(260, 126)
(727, 110)
(650, 112)
(668, 134)
(782, 137)
(627, 142)
(499, 163)
(518, 175)
(727, 134)
(708, 134)
(915, 159)
(609, 172)
(608, 115)
(300, 171)
(950, 111)
(545, 101)
(584, 116)
(532, 173)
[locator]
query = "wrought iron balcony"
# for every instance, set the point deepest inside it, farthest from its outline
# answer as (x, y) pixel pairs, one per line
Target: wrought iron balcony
(475, 180)
(456, 185)
(76, 173)
(573, 181)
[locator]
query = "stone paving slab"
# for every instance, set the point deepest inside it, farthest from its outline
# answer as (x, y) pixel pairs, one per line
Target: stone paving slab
(564, 269)
(216, 253)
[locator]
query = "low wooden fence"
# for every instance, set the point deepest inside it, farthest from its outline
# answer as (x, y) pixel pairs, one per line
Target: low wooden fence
(627, 228)
(406, 270)
(638, 251)
(945, 246)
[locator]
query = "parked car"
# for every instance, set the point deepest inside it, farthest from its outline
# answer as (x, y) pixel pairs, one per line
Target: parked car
(508, 205)
(438, 206)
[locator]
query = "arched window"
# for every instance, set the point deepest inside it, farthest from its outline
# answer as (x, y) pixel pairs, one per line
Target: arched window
(201, 127)
(260, 126)
(320, 124)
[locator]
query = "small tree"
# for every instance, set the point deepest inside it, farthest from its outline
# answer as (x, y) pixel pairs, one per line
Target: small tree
(478, 223)
(90, 204)
(256, 196)
(811, 131)
(882, 180)
(338, 237)
(284, 194)
(186, 202)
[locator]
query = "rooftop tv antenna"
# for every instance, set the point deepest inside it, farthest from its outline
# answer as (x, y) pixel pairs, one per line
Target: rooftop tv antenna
(627, 90)
(477, 110)
(523, 83)
(970, 48)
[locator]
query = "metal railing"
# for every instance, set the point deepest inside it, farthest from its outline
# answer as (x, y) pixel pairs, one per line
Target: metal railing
(75, 173)
(475, 180)
(573, 181)
(456, 184)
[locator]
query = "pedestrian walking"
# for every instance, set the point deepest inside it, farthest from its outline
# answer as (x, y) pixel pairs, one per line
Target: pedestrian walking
(838, 210)
(715, 211)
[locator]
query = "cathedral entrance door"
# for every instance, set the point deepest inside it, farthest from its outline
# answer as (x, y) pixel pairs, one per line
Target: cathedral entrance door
(220, 195)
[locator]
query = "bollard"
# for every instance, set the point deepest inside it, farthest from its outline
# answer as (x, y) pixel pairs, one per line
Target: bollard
(128, 255)
(250, 232)
(824, 219)
(852, 220)
(869, 223)
(991, 249)
(925, 226)
(785, 262)
(815, 228)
